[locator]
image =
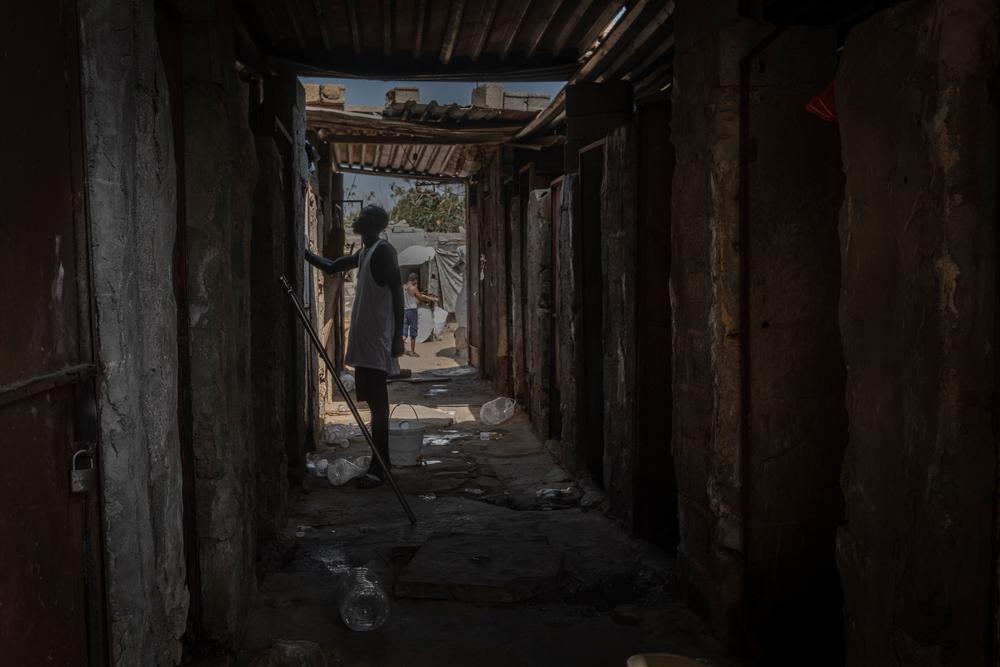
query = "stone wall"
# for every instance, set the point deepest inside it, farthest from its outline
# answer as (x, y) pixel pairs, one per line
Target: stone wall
(916, 94)
(131, 191)
(221, 170)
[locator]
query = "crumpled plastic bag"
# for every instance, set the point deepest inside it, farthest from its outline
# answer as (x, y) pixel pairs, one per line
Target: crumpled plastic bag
(340, 434)
(342, 471)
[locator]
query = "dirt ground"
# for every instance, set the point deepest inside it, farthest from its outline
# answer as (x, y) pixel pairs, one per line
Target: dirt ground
(511, 562)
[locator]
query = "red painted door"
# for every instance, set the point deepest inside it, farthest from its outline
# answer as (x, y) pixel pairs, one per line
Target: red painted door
(51, 591)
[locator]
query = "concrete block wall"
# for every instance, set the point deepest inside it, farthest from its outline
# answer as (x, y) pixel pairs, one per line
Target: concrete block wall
(916, 93)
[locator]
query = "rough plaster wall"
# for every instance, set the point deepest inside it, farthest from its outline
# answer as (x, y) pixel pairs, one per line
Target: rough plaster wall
(538, 228)
(131, 192)
(918, 238)
(704, 289)
(221, 172)
(798, 422)
(618, 215)
(270, 335)
(569, 325)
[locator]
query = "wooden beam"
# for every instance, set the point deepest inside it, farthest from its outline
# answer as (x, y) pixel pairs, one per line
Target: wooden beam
(657, 77)
(388, 13)
(355, 23)
(443, 160)
(421, 24)
(408, 69)
(416, 175)
(427, 157)
(451, 36)
(570, 26)
(599, 59)
(296, 28)
(651, 59)
(636, 44)
(546, 117)
(324, 29)
(487, 26)
(546, 24)
(509, 44)
(450, 138)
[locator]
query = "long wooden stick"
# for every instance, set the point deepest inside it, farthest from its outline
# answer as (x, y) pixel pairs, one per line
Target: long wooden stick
(350, 402)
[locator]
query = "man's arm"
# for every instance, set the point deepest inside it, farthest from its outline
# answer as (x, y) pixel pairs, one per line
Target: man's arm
(385, 271)
(345, 263)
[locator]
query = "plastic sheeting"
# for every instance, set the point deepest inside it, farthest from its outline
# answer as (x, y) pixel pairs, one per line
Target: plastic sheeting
(450, 272)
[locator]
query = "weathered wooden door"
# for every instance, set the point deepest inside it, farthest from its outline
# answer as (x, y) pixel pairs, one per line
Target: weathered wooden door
(51, 590)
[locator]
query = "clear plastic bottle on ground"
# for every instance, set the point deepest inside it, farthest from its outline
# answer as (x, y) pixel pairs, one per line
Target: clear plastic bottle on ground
(365, 605)
(497, 411)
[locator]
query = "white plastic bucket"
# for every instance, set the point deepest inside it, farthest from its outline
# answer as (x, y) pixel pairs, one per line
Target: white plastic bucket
(406, 437)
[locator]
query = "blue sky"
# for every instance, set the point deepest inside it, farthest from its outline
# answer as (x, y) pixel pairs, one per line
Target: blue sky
(365, 92)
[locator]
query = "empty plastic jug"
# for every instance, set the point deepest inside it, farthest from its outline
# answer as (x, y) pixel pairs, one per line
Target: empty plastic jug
(364, 606)
(497, 411)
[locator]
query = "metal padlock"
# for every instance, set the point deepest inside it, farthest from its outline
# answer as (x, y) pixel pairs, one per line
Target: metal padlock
(82, 480)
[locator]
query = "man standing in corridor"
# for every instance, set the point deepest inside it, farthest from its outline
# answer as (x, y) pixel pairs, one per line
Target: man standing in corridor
(375, 340)
(413, 297)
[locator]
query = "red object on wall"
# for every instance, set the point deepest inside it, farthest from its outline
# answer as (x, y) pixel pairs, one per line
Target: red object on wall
(824, 105)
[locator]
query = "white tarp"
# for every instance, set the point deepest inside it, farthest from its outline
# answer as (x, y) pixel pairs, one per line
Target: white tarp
(415, 255)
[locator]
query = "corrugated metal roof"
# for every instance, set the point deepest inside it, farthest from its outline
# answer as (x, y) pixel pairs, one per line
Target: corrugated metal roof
(427, 39)
(432, 141)
(457, 115)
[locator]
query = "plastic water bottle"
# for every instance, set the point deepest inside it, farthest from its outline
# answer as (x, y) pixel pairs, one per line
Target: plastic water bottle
(365, 605)
(497, 411)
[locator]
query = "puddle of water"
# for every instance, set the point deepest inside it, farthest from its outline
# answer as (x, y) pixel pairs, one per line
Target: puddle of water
(332, 558)
(443, 438)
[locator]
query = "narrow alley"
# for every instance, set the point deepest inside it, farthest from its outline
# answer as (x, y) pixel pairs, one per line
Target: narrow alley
(672, 326)
(510, 562)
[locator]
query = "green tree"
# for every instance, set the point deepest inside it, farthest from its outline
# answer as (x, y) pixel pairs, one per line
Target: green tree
(434, 207)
